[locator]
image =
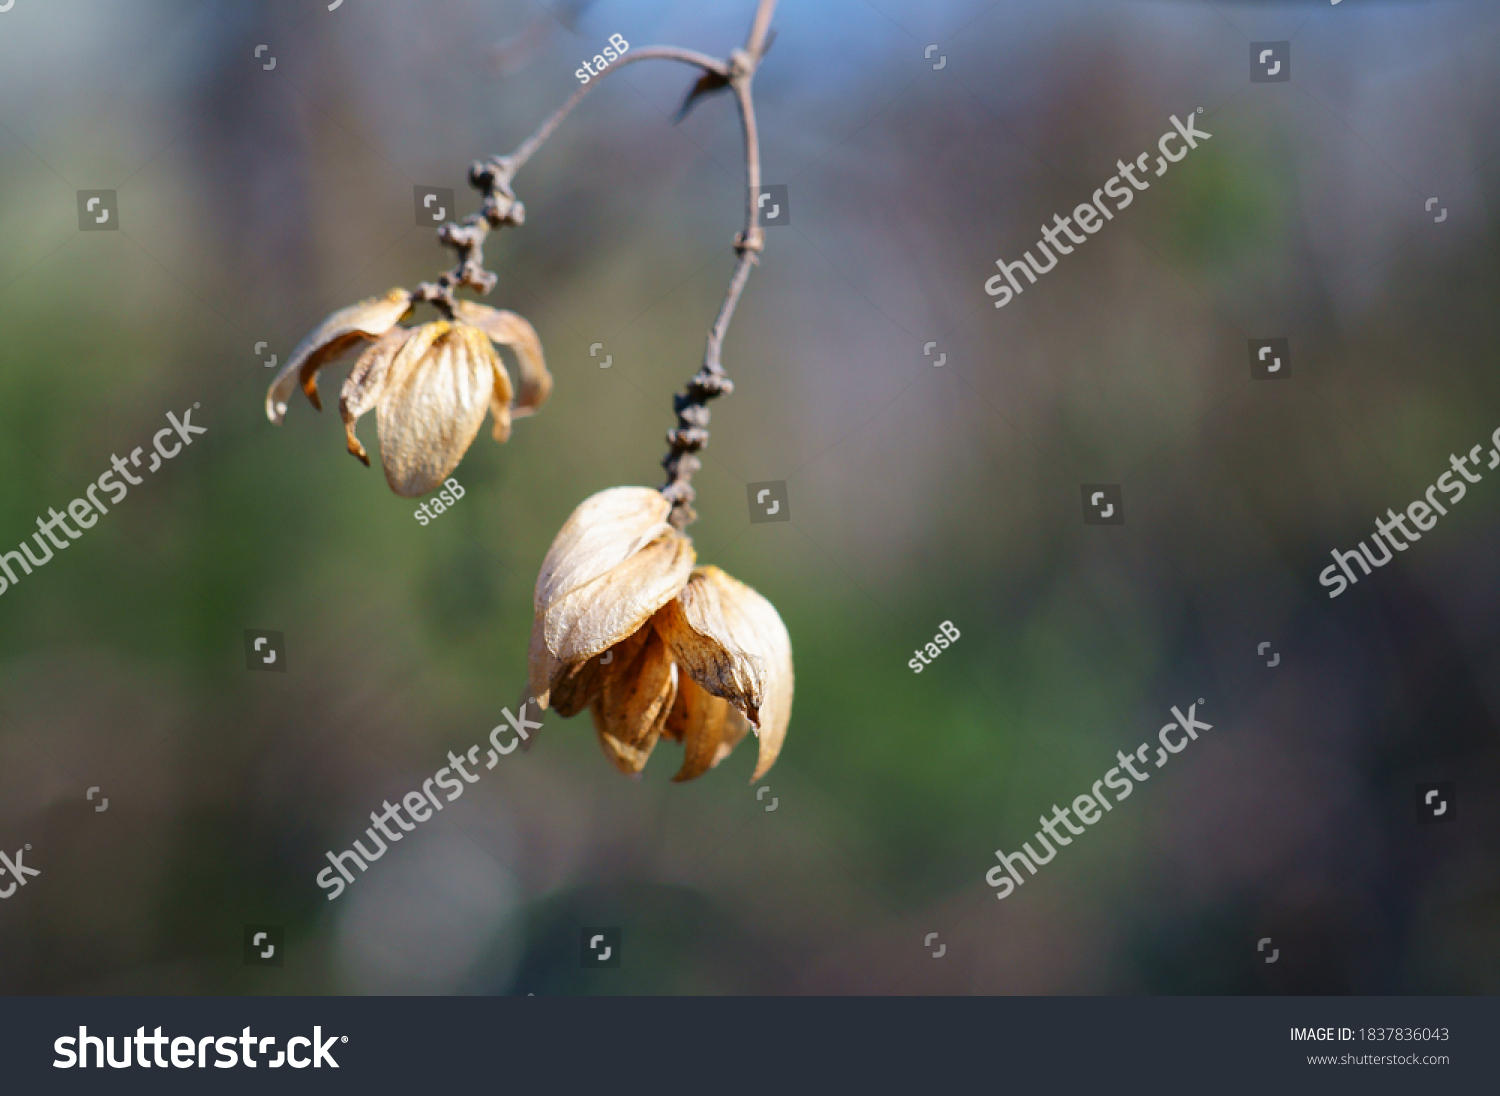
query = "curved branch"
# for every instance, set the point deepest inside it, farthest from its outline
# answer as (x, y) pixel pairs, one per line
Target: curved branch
(755, 44)
(749, 242)
(711, 381)
(528, 147)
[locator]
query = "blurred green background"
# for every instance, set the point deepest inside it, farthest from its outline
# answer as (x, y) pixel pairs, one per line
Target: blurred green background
(252, 202)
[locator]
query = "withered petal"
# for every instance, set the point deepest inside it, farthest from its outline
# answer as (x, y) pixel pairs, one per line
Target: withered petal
(542, 670)
(343, 330)
(628, 759)
(637, 698)
(708, 727)
(437, 391)
(366, 384)
(602, 532)
(628, 747)
(500, 409)
(575, 687)
(739, 620)
(700, 626)
(601, 613)
(513, 331)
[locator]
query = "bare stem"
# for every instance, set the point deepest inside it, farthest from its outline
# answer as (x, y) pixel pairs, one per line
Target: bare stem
(517, 159)
(691, 404)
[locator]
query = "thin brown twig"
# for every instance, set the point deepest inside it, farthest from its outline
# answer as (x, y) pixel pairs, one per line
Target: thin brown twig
(691, 404)
(518, 158)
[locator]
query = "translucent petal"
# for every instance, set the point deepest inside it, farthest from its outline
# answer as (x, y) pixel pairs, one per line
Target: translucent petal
(575, 687)
(603, 612)
(511, 330)
(366, 384)
(708, 728)
(437, 391)
(611, 566)
(602, 532)
(740, 633)
(636, 699)
(628, 759)
(542, 669)
(340, 332)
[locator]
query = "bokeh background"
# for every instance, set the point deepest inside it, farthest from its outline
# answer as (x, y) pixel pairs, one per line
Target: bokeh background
(254, 201)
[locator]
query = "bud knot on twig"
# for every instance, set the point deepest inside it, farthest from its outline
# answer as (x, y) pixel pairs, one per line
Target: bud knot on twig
(679, 493)
(439, 294)
(460, 237)
(751, 243)
(492, 178)
(483, 174)
(690, 414)
(741, 64)
(466, 238)
(688, 438)
(682, 513)
(703, 387)
(501, 210)
(477, 277)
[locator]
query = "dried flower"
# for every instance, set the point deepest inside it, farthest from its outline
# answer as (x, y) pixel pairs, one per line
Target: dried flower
(653, 646)
(429, 385)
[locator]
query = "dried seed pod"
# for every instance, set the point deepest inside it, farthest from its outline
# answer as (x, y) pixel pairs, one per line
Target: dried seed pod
(626, 626)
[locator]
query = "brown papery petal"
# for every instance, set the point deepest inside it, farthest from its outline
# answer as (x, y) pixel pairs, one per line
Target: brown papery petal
(741, 620)
(601, 613)
(509, 329)
(774, 647)
(500, 409)
(702, 626)
(342, 331)
(575, 687)
(437, 392)
(628, 759)
(630, 714)
(366, 383)
(542, 670)
(708, 728)
(602, 532)
(637, 699)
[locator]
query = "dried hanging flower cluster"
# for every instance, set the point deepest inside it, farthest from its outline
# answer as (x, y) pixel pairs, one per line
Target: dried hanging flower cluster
(653, 646)
(626, 625)
(430, 385)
